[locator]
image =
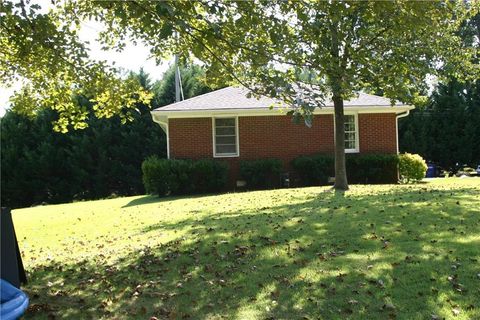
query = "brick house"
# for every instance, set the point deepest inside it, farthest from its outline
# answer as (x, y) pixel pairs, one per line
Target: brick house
(227, 125)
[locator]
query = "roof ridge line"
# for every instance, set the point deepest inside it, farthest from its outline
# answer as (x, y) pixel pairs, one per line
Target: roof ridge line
(194, 98)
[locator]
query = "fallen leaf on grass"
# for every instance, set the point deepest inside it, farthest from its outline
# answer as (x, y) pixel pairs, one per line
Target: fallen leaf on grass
(381, 283)
(389, 306)
(39, 307)
(456, 311)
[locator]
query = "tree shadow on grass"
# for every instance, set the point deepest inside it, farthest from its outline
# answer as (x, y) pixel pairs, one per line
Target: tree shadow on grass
(149, 199)
(408, 254)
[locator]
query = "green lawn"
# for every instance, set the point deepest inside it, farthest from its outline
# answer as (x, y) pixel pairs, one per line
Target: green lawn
(379, 252)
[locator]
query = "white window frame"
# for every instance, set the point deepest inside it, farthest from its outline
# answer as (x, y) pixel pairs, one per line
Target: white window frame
(357, 139)
(237, 140)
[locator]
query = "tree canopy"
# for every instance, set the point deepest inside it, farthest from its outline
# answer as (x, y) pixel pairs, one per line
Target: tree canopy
(42, 51)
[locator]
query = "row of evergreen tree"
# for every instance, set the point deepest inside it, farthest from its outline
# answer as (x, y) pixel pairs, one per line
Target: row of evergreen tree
(39, 165)
(447, 130)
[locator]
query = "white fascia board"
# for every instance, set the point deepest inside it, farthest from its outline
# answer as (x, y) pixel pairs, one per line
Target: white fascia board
(159, 114)
(161, 119)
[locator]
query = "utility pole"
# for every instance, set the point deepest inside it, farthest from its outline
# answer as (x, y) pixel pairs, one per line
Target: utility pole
(177, 80)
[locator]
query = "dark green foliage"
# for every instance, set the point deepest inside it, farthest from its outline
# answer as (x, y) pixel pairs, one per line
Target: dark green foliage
(314, 170)
(32, 161)
(447, 131)
(209, 175)
(177, 177)
(157, 176)
(262, 173)
(179, 174)
(40, 165)
(368, 168)
(372, 168)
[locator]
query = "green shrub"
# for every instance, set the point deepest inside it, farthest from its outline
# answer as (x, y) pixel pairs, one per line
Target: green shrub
(180, 177)
(177, 177)
(314, 170)
(368, 168)
(372, 168)
(209, 175)
(261, 174)
(156, 175)
(412, 167)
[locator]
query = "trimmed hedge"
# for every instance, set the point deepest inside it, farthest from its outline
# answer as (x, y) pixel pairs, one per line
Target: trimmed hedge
(368, 168)
(176, 177)
(262, 173)
(372, 168)
(156, 175)
(314, 170)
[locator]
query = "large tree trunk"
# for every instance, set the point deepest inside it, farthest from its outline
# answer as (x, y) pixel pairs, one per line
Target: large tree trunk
(336, 80)
(341, 182)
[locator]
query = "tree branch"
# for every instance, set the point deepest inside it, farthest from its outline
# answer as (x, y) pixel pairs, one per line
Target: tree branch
(214, 55)
(25, 15)
(253, 50)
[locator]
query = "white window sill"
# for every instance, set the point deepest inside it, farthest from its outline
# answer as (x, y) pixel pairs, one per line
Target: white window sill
(352, 151)
(226, 156)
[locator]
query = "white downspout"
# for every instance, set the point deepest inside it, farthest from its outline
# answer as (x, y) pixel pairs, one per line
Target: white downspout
(401, 115)
(167, 136)
(164, 126)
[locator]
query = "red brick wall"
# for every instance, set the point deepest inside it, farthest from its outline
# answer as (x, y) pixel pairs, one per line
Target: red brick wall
(377, 132)
(278, 137)
(190, 138)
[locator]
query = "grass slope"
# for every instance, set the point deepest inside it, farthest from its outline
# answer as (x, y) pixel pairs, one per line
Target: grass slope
(379, 252)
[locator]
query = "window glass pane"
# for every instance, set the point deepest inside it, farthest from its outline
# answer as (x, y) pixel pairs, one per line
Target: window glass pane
(350, 126)
(350, 118)
(230, 122)
(350, 145)
(225, 131)
(226, 140)
(225, 136)
(350, 136)
(226, 149)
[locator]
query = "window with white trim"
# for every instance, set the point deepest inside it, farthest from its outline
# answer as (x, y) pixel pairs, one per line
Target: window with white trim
(225, 136)
(351, 133)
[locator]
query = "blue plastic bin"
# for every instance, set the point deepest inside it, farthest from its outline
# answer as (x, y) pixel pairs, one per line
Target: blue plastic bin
(14, 301)
(431, 171)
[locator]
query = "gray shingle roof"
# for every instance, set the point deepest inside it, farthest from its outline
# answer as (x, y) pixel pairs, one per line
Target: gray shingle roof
(232, 98)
